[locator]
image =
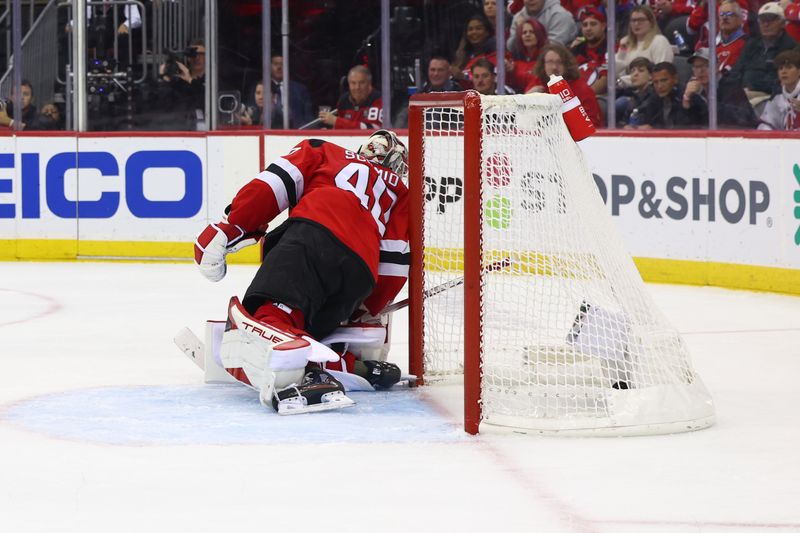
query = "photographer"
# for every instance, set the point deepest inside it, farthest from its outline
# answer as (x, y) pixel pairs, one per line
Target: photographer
(182, 85)
(28, 109)
(192, 69)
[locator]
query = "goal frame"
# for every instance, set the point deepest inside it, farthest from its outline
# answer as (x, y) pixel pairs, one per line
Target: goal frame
(470, 102)
(620, 333)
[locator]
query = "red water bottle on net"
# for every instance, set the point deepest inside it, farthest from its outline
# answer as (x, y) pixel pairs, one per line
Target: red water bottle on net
(578, 122)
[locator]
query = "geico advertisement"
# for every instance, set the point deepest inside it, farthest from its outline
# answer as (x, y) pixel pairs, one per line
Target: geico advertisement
(102, 188)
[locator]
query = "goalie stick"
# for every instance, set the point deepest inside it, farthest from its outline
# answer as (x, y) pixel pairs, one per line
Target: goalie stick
(447, 285)
(191, 346)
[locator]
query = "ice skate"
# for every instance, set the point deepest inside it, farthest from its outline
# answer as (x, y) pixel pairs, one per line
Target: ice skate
(318, 391)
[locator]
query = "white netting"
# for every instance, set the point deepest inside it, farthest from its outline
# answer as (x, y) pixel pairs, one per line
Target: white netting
(571, 339)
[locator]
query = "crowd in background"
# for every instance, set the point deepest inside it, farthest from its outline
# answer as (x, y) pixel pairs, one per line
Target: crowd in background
(661, 60)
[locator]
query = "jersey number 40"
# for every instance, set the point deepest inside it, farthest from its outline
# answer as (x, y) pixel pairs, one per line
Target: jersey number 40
(372, 192)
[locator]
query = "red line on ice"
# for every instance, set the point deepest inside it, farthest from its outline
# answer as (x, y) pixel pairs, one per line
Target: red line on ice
(52, 307)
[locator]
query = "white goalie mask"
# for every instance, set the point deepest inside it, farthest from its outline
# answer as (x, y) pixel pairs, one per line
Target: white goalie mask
(384, 148)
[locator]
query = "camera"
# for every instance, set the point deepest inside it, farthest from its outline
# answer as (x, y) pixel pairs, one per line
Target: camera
(171, 69)
(100, 77)
(230, 106)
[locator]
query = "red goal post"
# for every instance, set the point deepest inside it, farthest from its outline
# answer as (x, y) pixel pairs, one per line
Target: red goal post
(470, 103)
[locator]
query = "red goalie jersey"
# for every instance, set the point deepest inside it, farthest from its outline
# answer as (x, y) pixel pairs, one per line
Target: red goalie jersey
(362, 204)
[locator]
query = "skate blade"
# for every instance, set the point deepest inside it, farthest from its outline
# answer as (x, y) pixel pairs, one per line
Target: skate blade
(331, 401)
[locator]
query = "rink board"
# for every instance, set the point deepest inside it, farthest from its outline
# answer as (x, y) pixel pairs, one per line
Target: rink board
(707, 210)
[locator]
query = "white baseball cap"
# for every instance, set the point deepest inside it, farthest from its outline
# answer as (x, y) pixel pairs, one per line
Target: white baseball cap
(771, 8)
(701, 53)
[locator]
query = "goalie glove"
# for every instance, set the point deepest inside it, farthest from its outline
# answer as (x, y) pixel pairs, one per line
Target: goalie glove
(217, 241)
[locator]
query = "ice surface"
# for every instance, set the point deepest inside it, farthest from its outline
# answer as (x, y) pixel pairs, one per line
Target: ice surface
(106, 427)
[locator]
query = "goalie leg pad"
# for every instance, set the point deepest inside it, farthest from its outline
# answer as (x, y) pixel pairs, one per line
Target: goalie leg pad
(260, 367)
(318, 391)
(260, 355)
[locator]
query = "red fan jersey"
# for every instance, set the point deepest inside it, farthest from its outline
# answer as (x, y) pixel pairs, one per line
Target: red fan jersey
(591, 61)
(728, 50)
(362, 204)
(368, 115)
(792, 14)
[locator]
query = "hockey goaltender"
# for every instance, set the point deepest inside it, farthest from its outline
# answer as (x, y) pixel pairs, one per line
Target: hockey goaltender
(309, 326)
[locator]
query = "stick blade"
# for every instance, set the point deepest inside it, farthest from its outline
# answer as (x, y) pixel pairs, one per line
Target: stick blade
(191, 345)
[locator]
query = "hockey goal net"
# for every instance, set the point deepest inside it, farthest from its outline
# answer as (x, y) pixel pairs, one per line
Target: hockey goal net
(520, 283)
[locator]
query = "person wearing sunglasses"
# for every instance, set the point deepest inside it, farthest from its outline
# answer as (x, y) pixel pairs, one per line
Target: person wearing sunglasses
(732, 30)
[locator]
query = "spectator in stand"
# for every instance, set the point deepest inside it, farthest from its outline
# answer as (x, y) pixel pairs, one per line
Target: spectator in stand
(253, 115)
(573, 6)
(439, 78)
(729, 20)
(733, 109)
(643, 40)
(634, 97)
(484, 79)
(490, 12)
(28, 109)
(477, 41)
(590, 49)
(732, 31)
(526, 50)
(623, 10)
(752, 20)
(782, 112)
(665, 111)
(791, 11)
(755, 71)
(672, 15)
(558, 21)
(300, 112)
(49, 118)
(360, 107)
(557, 60)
